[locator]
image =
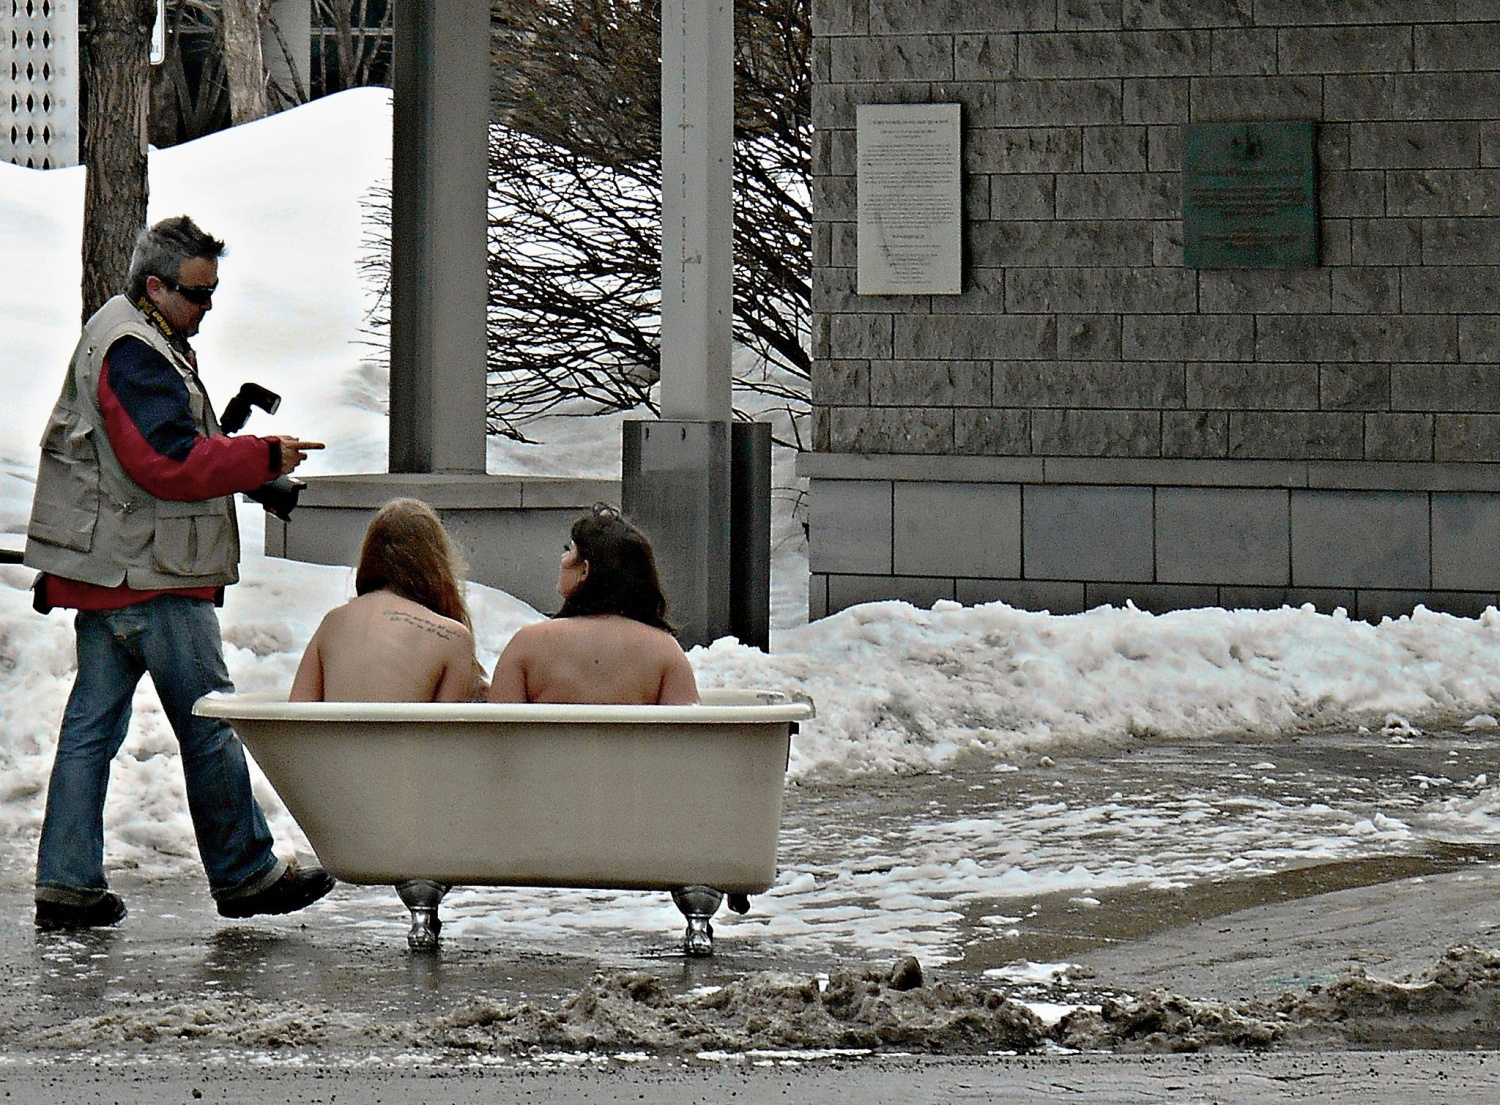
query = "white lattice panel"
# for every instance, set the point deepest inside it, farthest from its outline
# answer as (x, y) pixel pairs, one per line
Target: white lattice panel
(39, 82)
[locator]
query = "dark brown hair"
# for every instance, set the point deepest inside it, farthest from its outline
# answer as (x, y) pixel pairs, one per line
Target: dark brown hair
(622, 577)
(408, 552)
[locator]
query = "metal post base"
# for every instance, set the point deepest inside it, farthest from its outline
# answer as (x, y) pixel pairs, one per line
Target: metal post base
(698, 905)
(422, 897)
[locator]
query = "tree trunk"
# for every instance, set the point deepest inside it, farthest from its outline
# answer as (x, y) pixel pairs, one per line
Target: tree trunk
(244, 63)
(117, 48)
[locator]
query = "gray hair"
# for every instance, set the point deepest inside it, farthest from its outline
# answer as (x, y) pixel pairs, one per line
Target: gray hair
(160, 251)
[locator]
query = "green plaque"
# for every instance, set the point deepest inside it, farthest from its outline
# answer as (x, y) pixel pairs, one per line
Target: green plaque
(1249, 196)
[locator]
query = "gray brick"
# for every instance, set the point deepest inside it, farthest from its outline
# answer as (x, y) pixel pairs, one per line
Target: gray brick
(1374, 605)
(835, 198)
(833, 292)
(1301, 12)
(978, 100)
(858, 336)
(1088, 337)
(903, 16)
(1345, 49)
(849, 526)
(1166, 244)
(1467, 437)
(1263, 291)
(890, 430)
(1431, 144)
(1156, 100)
(1077, 433)
(1325, 601)
(1115, 54)
(1411, 96)
(1359, 539)
(1119, 196)
(983, 294)
(1209, 535)
(1474, 241)
(984, 57)
(974, 337)
(1156, 598)
(1441, 387)
(840, 17)
(1489, 143)
(1355, 338)
(822, 244)
(1359, 194)
(1114, 149)
(1479, 338)
(820, 432)
(1024, 594)
(1025, 150)
(1021, 196)
(1331, 143)
(992, 433)
(1078, 15)
(1188, 338)
(1387, 241)
(1334, 247)
(1295, 435)
(841, 383)
(845, 245)
(1057, 103)
(847, 591)
(930, 383)
(1088, 533)
(841, 151)
(1244, 51)
(1279, 387)
(1236, 98)
(1064, 384)
(817, 597)
(1164, 149)
(1047, 244)
(1398, 437)
(976, 198)
(1354, 387)
(1187, 434)
(1082, 291)
(1470, 46)
(1366, 291)
(1465, 535)
(833, 104)
(1153, 14)
(953, 529)
(822, 62)
(1439, 192)
(1467, 289)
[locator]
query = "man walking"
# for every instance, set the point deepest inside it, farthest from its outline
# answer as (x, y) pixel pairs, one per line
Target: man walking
(133, 525)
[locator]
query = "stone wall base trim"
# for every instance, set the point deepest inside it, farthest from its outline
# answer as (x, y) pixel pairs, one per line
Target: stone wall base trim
(1072, 597)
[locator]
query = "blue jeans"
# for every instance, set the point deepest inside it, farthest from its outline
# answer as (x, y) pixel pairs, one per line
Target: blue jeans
(177, 640)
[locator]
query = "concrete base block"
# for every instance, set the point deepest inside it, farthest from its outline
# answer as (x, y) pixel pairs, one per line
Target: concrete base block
(1053, 596)
(1374, 539)
(511, 529)
(845, 591)
(1088, 533)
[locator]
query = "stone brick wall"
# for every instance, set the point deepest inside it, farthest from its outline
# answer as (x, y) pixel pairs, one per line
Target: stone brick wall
(1082, 335)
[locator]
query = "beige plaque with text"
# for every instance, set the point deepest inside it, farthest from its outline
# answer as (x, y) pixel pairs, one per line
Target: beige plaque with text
(910, 199)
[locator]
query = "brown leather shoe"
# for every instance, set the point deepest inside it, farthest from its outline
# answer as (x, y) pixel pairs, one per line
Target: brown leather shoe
(298, 888)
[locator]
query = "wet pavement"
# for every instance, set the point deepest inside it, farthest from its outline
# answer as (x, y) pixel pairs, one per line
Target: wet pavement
(1217, 869)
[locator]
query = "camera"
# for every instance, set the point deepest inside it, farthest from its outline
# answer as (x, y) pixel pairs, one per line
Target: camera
(278, 496)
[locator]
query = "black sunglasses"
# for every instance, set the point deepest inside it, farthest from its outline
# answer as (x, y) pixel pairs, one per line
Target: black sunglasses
(196, 294)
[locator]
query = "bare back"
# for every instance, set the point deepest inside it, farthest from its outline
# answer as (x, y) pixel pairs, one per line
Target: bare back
(601, 658)
(384, 648)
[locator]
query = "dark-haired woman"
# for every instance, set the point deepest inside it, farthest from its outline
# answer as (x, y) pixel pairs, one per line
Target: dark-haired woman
(611, 641)
(407, 636)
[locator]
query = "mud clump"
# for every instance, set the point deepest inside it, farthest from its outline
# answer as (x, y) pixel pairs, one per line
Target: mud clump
(1168, 1022)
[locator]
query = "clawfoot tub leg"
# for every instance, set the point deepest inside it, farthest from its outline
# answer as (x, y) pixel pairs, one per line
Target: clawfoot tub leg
(698, 905)
(422, 897)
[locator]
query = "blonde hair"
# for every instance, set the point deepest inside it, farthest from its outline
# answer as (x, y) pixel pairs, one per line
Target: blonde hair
(409, 553)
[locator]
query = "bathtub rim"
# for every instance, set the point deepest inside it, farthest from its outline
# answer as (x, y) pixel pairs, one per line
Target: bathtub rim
(719, 707)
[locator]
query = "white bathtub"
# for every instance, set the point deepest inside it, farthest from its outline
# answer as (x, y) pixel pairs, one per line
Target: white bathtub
(608, 797)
